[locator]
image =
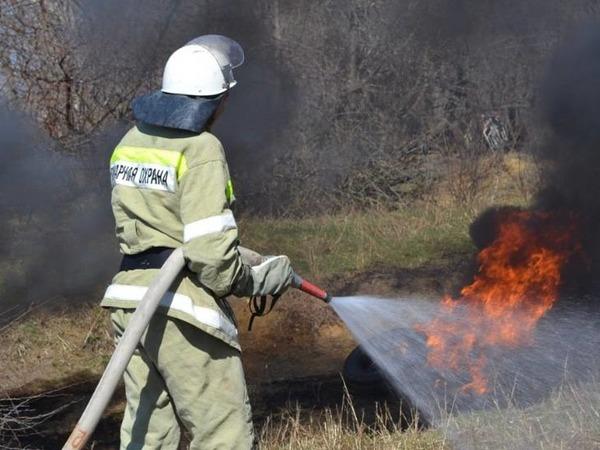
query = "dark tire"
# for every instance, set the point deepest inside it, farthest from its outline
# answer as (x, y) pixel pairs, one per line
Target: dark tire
(362, 376)
(360, 370)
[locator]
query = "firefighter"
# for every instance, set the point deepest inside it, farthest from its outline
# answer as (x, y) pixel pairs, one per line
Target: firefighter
(172, 188)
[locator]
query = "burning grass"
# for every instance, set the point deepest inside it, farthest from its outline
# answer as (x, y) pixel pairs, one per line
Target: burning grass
(48, 346)
(52, 344)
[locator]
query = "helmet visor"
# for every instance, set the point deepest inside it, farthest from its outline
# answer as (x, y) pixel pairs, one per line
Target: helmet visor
(225, 50)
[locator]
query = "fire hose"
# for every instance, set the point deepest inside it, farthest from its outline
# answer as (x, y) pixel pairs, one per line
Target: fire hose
(131, 337)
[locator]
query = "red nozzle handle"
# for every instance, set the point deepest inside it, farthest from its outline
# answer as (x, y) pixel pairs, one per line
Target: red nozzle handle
(305, 286)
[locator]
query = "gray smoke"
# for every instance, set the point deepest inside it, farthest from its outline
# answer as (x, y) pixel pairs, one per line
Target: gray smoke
(135, 38)
(57, 235)
(56, 226)
(571, 110)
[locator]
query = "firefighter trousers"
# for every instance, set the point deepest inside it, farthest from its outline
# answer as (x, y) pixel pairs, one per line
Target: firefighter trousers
(180, 375)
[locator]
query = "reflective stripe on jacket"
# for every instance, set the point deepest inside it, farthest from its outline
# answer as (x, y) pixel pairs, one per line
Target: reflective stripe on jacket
(172, 188)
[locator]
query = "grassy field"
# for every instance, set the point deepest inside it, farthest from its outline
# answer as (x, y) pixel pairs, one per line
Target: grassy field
(358, 241)
(430, 230)
(57, 343)
(52, 346)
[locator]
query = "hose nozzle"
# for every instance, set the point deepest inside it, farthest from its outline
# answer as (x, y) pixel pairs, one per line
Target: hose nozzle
(307, 287)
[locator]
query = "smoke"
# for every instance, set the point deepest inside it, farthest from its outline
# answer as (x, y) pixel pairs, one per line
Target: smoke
(57, 236)
(134, 38)
(569, 102)
(571, 110)
(56, 225)
(126, 43)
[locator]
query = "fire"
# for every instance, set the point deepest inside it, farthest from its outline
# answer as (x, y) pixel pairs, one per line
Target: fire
(517, 283)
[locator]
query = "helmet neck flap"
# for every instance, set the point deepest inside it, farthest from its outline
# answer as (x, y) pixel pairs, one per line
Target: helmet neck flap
(175, 111)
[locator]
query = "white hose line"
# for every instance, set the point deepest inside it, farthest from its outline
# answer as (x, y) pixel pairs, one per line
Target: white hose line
(122, 354)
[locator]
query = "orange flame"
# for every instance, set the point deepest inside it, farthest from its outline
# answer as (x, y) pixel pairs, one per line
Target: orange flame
(517, 283)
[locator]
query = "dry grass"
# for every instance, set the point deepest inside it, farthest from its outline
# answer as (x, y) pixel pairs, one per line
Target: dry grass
(496, 179)
(53, 345)
(568, 419)
(344, 430)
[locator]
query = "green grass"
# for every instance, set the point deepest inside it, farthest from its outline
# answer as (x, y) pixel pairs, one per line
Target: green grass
(431, 231)
(358, 241)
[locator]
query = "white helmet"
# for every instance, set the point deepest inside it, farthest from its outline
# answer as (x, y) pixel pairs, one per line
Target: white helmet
(203, 67)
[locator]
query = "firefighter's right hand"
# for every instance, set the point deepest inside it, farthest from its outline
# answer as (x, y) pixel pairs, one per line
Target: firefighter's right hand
(272, 277)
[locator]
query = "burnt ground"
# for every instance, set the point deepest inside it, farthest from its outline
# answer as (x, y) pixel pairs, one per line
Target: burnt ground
(293, 358)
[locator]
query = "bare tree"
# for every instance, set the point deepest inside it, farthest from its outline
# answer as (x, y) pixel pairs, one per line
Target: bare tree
(369, 79)
(59, 63)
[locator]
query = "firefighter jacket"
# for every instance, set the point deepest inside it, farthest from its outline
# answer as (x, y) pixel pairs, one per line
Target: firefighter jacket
(172, 188)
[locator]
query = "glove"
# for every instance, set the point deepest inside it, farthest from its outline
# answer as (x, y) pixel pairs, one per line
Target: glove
(271, 277)
(250, 257)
